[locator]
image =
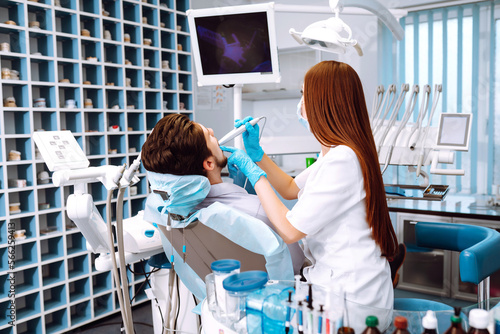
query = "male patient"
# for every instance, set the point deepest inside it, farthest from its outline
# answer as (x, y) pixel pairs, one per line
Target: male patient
(180, 146)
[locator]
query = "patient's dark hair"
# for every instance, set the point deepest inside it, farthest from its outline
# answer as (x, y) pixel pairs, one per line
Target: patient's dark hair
(176, 146)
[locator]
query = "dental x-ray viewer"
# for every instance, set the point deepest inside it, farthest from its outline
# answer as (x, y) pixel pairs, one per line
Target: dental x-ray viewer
(341, 214)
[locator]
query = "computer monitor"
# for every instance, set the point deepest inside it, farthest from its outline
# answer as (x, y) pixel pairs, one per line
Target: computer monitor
(234, 45)
(454, 131)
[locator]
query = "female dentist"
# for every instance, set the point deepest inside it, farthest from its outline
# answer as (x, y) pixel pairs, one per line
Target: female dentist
(341, 214)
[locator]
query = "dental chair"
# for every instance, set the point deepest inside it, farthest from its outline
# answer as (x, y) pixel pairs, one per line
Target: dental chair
(193, 240)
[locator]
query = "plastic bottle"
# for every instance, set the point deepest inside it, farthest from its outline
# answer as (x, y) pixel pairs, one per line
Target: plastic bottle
(429, 323)
(401, 325)
(456, 323)
(371, 325)
(478, 321)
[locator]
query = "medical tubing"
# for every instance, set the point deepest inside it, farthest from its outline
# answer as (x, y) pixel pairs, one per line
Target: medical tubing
(178, 303)
(388, 106)
(409, 109)
(171, 284)
(146, 280)
(166, 318)
(379, 109)
(113, 260)
(376, 102)
(132, 170)
(437, 92)
(421, 115)
(121, 254)
(404, 89)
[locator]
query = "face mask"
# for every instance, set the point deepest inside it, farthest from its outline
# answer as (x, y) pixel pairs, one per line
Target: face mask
(302, 120)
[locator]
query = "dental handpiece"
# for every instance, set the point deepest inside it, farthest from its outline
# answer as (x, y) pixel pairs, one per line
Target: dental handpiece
(238, 131)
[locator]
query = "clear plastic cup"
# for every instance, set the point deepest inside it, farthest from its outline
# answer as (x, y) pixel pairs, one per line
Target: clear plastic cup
(238, 287)
(221, 270)
(211, 298)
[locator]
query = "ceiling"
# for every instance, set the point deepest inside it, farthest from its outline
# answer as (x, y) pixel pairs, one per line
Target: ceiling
(387, 3)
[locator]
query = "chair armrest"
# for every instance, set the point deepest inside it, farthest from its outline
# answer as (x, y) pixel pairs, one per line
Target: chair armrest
(479, 246)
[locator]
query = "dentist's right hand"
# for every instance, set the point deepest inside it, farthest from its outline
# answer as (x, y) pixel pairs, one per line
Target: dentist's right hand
(251, 139)
(244, 163)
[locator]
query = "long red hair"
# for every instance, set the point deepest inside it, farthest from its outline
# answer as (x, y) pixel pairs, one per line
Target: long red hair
(336, 111)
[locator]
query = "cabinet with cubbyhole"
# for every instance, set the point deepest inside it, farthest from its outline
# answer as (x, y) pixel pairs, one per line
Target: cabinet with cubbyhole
(107, 70)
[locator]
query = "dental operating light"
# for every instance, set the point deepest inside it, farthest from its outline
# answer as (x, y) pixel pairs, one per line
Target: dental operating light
(334, 35)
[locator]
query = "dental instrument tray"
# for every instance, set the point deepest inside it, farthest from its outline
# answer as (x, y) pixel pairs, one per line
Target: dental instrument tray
(436, 191)
(432, 192)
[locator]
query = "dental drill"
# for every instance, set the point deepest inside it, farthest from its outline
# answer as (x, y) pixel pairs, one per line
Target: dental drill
(238, 131)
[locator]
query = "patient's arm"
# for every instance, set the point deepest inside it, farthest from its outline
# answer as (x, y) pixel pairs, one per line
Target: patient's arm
(281, 181)
(276, 211)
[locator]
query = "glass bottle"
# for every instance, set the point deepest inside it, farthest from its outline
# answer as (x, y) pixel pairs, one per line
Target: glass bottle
(345, 330)
(478, 321)
(456, 323)
(401, 325)
(371, 325)
(429, 323)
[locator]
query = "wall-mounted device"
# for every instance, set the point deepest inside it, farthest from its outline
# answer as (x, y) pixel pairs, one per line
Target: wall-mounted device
(234, 45)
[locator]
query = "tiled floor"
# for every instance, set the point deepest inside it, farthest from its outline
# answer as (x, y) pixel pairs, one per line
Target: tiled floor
(143, 322)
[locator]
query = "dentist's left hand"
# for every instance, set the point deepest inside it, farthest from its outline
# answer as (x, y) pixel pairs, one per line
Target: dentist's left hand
(244, 163)
(251, 139)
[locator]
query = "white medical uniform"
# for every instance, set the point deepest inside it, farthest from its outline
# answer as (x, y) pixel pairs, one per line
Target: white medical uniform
(331, 212)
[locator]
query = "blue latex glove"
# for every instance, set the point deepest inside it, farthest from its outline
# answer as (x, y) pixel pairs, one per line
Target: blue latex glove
(251, 139)
(244, 163)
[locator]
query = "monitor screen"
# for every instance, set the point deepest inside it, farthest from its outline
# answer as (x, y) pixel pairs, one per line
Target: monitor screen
(454, 131)
(234, 45)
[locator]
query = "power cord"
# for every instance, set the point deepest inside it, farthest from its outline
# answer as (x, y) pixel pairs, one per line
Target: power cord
(146, 276)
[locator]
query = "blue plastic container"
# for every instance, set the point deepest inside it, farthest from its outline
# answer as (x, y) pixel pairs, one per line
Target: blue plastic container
(238, 287)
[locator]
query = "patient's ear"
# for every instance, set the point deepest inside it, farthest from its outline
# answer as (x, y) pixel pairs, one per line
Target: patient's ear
(209, 163)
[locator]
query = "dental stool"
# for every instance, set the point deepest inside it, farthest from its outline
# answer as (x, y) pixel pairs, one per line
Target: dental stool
(479, 249)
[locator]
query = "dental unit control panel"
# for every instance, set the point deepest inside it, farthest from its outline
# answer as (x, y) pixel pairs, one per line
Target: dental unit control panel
(416, 144)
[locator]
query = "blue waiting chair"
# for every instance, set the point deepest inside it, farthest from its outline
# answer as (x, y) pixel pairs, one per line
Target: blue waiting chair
(479, 249)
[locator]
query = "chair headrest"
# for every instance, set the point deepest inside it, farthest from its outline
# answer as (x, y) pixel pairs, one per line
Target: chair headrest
(180, 193)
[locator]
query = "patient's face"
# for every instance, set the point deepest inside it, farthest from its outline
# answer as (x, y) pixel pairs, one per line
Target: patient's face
(213, 146)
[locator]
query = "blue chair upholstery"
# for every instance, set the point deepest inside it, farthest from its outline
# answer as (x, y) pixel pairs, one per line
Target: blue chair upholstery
(415, 304)
(479, 247)
(479, 258)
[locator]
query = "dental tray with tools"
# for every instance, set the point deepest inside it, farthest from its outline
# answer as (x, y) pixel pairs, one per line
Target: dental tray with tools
(436, 191)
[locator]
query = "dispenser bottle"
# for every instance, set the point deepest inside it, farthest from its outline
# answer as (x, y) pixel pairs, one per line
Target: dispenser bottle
(371, 325)
(401, 325)
(429, 323)
(456, 323)
(478, 321)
